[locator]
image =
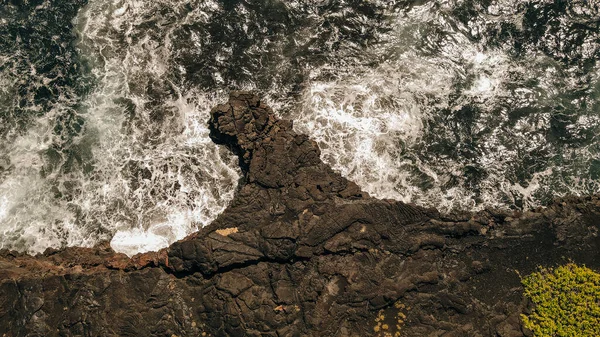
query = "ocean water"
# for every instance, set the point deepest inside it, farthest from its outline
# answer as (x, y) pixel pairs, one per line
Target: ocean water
(449, 104)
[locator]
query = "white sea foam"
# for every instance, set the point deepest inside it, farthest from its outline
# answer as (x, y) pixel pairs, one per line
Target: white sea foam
(187, 181)
(150, 184)
(410, 115)
(371, 123)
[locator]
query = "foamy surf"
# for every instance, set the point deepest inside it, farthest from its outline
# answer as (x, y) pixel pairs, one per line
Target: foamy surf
(147, 175)
(436, 104)
(395, 128)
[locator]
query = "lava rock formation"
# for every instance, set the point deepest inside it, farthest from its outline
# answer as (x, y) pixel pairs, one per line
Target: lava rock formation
(302, 251)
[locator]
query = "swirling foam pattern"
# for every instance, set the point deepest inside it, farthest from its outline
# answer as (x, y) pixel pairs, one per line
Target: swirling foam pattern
(453, 104)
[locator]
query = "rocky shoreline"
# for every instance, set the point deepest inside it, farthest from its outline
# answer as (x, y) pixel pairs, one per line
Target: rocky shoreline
(301, 251)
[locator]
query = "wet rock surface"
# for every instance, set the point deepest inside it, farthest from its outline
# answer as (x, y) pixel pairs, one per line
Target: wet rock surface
(302, 251)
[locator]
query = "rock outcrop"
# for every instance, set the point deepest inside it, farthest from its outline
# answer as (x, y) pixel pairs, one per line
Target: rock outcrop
(302, 251)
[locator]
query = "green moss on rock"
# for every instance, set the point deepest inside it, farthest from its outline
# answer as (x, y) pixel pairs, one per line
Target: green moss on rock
(566, 302)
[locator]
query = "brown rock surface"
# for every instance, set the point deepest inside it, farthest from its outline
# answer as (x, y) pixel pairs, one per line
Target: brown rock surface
(301, 251)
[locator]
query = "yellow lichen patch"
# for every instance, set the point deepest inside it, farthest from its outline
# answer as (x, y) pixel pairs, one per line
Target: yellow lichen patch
(390, 325)
(566, 302)
(227, 231)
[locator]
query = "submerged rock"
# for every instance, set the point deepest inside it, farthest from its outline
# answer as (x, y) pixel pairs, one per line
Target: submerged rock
(302, 251)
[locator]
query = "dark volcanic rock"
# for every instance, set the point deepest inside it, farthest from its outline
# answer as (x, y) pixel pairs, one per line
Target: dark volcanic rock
(301, 251)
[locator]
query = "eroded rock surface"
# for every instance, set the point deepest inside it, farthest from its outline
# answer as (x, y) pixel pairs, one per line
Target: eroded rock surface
(302, 251)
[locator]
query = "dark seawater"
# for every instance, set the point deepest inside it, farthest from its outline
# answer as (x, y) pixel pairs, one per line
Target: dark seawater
(452, 104)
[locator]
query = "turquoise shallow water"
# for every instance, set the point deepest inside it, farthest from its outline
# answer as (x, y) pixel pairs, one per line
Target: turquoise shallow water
(452, 104)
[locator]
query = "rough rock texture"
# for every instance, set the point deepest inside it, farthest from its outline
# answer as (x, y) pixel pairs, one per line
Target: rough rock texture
(301, 251)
